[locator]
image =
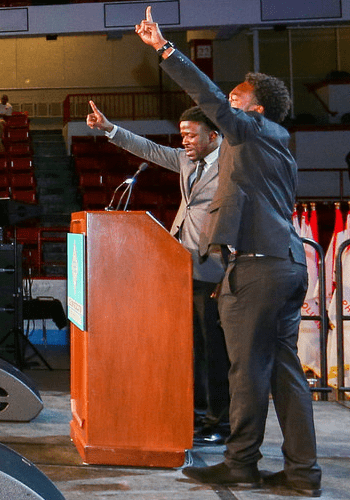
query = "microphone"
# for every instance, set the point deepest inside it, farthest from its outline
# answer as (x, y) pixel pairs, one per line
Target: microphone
(141, 168)
(129, 185)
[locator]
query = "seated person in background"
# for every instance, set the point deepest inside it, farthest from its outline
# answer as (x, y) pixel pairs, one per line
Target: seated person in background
(5, 111)
(5, 107)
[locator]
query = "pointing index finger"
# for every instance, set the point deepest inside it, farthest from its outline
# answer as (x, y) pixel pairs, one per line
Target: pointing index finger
(93, 105)
(149, 14)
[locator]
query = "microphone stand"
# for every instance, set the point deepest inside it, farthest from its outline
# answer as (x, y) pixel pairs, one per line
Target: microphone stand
(128, 190)
(110, 206)
(130, 183)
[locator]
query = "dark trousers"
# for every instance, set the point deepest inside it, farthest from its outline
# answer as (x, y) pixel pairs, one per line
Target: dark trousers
(211, 362)
(259, 308)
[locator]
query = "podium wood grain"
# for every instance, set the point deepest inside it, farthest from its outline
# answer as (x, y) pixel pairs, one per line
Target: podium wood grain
(131, 370)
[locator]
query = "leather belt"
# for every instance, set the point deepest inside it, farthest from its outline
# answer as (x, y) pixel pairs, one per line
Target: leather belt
(246, 254)
(229, 252)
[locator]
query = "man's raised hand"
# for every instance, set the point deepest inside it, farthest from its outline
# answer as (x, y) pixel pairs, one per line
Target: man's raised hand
(149, 31)
(97, 119)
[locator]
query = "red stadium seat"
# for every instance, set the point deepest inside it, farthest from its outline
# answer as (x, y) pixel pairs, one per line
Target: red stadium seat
(27, 234)
(113, 180)
(21, 164)
(22, 180)
(91, 179)
(3, 164)
(24, 195)
(83, 164)
(84, 149)
(18, 149)
(83, 138)
(18, 121)
(17, 135)
(4, 181)
(5, 192)
(95, 199)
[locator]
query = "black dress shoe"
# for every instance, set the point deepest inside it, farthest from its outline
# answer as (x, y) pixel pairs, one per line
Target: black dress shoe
(222, 474)
(280, 479)
(209, 439)
(211, 435)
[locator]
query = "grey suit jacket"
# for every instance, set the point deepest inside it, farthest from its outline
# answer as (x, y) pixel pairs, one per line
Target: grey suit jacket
(194, 205)
(252, 208)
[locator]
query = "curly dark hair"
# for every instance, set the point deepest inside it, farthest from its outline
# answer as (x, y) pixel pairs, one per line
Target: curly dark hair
(195, 114)
(272, 94)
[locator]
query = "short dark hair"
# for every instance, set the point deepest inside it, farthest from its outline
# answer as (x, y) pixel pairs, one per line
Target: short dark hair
(195, 114)
(272, 94)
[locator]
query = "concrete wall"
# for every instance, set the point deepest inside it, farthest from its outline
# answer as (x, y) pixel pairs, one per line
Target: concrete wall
(37, 71)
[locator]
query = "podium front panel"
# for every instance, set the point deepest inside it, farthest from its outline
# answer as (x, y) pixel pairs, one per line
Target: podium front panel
(132, 381)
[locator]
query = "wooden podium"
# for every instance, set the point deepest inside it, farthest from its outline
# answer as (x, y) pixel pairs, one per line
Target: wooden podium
(131, 369)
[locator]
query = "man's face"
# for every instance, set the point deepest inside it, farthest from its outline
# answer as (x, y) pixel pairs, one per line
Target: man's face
(242, 97)
(197, 139)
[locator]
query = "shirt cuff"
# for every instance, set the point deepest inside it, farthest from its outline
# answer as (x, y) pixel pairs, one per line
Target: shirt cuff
(112, 133)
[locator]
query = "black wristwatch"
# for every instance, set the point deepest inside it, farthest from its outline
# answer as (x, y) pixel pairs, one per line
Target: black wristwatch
(165, 47)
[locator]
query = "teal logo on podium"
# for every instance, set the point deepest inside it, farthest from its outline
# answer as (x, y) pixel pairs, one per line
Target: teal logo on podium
(76, 279)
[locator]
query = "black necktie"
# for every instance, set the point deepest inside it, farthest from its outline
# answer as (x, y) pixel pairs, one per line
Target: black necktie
(199, 171)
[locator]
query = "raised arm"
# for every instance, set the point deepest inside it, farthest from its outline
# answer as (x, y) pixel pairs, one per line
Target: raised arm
(231, 122)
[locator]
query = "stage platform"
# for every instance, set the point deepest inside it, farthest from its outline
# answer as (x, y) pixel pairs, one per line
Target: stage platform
(45, 441)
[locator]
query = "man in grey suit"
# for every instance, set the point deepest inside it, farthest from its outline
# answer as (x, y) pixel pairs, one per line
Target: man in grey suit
(197, 165)
(266, 278)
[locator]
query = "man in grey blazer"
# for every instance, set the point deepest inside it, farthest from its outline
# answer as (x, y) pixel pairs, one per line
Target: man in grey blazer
(201, 140)
(266, 278)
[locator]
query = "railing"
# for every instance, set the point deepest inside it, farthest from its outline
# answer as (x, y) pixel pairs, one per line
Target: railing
(322, 317)
(128, 105)
(340, 322)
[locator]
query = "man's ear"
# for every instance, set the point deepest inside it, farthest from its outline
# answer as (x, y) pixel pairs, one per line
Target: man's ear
(258, 108)
(213, 135)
